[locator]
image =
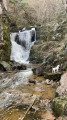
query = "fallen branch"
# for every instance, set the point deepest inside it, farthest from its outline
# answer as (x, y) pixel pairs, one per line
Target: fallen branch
(23, 117)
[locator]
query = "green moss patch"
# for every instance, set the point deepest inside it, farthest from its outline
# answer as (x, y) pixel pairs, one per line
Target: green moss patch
(59, 106)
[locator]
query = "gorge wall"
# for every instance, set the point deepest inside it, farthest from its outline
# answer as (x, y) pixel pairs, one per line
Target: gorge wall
(49, 19)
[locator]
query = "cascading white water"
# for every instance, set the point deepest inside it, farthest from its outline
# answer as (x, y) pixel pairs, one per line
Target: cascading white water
(21, 43)
(16, 81)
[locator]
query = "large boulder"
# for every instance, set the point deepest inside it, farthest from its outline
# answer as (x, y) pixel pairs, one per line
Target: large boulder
(53, 76)
(4, 66)
(59, 106)
(44, 67)
(62, 89)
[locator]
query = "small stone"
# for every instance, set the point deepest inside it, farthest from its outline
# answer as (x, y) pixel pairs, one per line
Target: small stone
(47, 81)
(32, 81)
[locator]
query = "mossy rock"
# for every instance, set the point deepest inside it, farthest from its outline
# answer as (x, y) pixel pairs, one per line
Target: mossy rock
(59, 106)
(5, 46)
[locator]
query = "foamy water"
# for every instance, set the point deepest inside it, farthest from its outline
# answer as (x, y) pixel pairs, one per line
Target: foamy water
(21, 45)
(8, 84)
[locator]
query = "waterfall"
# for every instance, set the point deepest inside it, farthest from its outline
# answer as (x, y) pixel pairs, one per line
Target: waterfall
(21, 43)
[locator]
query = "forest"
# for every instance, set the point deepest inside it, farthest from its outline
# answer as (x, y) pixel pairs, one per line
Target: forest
(33, 59)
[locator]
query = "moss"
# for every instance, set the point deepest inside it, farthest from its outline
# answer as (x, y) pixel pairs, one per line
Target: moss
(5, 47)
(1, 54)
(6, 33)
(5, 52)
(59, 106)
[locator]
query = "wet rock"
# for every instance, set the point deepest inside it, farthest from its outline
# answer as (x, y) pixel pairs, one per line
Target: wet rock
(62, 89)
(31, 81)
(4, 66)
(52, 76)
(21, 106)
(34, 70)
(59, 106)
(18, 66)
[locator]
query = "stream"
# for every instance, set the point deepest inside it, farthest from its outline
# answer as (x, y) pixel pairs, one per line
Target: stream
(19, 88)
(17, 93)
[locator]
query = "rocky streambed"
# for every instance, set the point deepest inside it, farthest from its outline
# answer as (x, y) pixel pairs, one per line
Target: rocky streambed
(18, 89)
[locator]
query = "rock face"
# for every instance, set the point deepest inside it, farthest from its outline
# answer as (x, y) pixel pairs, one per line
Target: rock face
(62, 89)
(59, 106)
